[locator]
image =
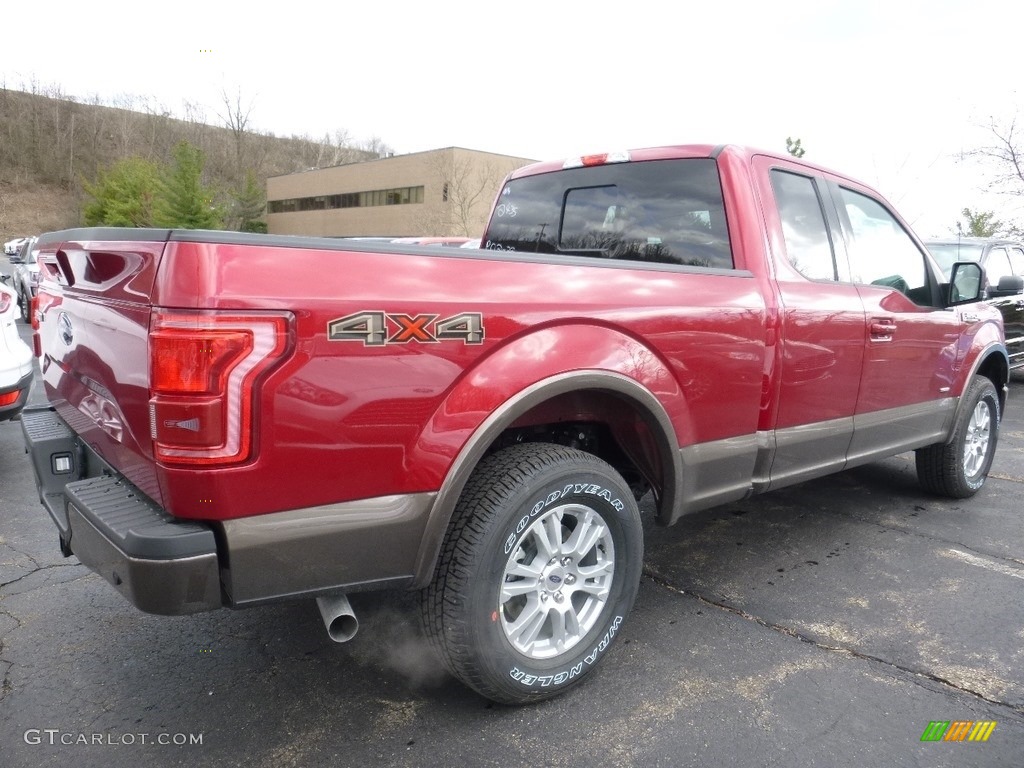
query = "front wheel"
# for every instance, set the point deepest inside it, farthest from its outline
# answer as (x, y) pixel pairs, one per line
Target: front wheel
(539, 569)
(958, 468)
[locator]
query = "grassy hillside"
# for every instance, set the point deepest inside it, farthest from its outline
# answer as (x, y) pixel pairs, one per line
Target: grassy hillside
(50, 144)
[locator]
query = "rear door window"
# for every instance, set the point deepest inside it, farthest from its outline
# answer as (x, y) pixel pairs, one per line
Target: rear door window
(808, 246)
(997, 266)
(1017, 261)
(664, 211)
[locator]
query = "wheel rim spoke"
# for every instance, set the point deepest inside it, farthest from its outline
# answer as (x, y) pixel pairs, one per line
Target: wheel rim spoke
(585, 536)
(548, 535)
(525, 629)
(512, 589)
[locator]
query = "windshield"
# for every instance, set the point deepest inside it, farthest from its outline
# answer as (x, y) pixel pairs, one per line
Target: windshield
(948, 254)
(664, 211)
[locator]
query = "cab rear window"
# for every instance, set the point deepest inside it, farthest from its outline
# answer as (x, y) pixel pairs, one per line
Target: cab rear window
(664, 211)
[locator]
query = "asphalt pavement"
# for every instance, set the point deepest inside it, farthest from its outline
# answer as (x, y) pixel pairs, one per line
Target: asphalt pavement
(823, 625)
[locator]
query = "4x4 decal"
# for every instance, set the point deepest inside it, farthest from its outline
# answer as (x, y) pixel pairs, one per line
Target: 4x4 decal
(377, 329)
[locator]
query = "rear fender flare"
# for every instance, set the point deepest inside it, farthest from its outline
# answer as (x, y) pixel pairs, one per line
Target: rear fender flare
(491, 396)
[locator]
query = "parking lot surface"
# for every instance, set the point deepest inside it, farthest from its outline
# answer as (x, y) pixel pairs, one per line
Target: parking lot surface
(827, 624)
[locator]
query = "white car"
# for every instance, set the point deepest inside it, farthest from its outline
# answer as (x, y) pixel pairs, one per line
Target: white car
(15, 358)
(11, 246)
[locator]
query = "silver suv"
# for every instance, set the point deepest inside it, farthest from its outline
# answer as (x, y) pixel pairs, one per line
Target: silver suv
(25, 280)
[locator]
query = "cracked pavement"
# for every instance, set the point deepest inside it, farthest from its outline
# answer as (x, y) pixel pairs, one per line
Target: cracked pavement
(822, 625)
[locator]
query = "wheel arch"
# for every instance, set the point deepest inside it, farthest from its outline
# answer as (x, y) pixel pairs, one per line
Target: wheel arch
(660, 463)
(993, 363)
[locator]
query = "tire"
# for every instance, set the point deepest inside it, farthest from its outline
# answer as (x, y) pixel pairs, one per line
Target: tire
(958, 468)
(23, 306)
(521, 608)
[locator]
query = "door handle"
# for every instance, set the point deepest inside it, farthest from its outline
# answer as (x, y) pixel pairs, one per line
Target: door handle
(882, 329)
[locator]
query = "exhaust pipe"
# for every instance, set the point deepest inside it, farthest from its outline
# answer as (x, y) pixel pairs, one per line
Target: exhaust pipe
(338, 616)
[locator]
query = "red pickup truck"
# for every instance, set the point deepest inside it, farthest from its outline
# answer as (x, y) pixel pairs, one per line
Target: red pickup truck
(698, 322)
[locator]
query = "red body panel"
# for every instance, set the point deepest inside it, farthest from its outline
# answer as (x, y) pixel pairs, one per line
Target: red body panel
(346, 421)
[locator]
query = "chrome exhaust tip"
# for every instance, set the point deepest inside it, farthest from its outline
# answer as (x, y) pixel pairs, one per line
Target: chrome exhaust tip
(338, 616)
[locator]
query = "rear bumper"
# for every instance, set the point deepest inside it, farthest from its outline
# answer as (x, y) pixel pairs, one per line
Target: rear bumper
(159, 563)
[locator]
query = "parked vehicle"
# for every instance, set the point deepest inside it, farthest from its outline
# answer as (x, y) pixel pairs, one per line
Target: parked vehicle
(25, 277)
(445, 242)
(1003, 263)
(11, 246)
(699, 322)
(15, 359)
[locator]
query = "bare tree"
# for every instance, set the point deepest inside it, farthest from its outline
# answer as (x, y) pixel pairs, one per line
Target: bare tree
(236, 117)
(467, 189)
(375, 145)
(1004, 156)
(1006, 153)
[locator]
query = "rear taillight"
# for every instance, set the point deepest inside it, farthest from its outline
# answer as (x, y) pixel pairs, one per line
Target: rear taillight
(5, 301)
(10, 397)
(203, 370)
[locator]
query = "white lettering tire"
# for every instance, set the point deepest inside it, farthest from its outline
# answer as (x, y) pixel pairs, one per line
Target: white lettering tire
(958, 469)
(539, 569)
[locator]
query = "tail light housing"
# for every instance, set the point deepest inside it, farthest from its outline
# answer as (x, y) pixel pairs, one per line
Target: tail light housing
(204, 371)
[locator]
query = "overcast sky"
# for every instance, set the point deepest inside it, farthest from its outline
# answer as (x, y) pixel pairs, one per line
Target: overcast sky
(891, 93)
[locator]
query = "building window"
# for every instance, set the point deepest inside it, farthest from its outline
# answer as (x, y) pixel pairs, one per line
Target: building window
(396, 196)
(444, 193)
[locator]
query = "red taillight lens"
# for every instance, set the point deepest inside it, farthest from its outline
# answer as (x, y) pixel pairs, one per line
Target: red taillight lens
(203, 370)
(10, 397)
(5, 301)
(184, 360)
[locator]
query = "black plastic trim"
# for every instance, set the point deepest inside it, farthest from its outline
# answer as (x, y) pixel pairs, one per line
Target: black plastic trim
(134, 523)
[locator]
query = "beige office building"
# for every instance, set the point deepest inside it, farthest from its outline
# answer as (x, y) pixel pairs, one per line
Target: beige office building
(443, 192)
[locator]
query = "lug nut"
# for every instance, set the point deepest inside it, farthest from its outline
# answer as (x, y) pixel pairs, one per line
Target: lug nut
(566, 561)
(559, 597)
(570, 579)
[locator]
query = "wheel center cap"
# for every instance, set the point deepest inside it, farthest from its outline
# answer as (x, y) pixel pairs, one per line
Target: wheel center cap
(554, 577)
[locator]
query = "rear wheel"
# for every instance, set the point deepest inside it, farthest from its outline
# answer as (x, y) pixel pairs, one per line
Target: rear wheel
(958, 469)
(540, 567)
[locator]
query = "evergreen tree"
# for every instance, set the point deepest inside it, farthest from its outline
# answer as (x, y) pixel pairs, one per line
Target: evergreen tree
(247, 206)
(124, 195)
(184, 201)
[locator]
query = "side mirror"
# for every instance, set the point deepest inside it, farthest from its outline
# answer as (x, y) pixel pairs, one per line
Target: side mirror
(1009, 285)
(966, 283)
